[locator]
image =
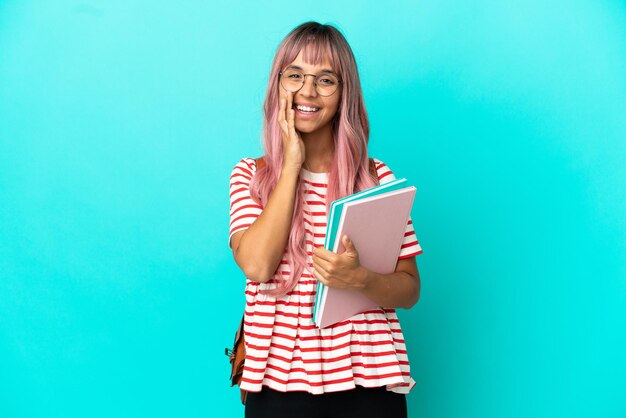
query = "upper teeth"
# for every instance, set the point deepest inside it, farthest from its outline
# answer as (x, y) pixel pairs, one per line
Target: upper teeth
(306, 108)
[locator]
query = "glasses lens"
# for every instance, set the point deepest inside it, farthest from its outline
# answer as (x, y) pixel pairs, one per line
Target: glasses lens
(292, 80)
(327, 84)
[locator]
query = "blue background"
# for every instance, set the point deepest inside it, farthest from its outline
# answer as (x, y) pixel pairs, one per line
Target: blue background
(120, 122)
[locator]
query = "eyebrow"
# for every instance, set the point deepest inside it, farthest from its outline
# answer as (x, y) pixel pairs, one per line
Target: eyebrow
(325, 70)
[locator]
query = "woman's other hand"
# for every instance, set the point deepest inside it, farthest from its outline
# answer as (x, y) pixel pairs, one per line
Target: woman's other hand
(343, 271)
(293, 146)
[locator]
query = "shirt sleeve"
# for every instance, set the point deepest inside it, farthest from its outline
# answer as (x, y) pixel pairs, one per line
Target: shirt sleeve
(410, 246)
(243, 210)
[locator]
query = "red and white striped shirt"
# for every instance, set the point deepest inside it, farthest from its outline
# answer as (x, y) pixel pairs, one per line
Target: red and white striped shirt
(284, 349)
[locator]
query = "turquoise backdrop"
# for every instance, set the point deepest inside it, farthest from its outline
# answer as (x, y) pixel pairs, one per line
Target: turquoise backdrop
(121, 120)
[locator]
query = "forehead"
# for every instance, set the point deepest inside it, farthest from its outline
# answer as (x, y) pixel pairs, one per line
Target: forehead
(299, 61)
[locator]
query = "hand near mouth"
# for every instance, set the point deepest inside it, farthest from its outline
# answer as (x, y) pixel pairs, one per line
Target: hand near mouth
(293, 146)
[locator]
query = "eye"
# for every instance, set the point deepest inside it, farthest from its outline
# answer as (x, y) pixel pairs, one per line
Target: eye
(294, 76)
(327, 81)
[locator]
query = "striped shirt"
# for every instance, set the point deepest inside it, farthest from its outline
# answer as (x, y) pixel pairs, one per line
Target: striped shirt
(284, 349)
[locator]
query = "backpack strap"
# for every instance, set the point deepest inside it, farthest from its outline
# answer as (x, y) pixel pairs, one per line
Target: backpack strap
(260, 163)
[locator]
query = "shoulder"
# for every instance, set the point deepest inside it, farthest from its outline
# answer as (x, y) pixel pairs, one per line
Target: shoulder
(243, 170)
(384, 172)
(378, 162)
(245, 165)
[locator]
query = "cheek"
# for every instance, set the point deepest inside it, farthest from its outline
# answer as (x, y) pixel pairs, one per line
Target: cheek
(332, 109)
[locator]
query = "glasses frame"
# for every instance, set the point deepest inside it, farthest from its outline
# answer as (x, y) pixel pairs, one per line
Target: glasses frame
(339, 81)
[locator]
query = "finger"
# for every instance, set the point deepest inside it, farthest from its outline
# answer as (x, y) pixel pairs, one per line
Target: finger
(292, 123)
(319, 276)
(322, 264)
(289, 99)
(282, 122)
(291, 114)
(324, 254)
(348, 244)
(281, 110)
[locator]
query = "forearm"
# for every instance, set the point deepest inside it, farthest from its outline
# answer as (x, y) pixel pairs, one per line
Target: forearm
(263, 244)
(394, 290)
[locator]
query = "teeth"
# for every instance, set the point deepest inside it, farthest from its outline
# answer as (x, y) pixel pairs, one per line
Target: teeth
(306, 108)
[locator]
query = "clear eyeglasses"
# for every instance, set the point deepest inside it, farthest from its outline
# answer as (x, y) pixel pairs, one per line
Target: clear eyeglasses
(325, 83)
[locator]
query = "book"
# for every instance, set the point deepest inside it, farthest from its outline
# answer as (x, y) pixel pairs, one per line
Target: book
(375, 221)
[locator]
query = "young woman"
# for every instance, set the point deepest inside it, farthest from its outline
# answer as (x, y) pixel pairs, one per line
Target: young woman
(315, 137)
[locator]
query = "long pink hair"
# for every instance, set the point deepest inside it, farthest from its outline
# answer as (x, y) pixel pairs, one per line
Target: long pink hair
(349, 171)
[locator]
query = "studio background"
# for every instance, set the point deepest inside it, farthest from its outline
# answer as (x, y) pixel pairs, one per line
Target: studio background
(121, 121)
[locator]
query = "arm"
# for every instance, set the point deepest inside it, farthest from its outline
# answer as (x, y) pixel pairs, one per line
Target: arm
(400, 289)
(259, 249)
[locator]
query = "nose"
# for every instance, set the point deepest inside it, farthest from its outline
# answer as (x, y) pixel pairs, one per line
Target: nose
(308, 88)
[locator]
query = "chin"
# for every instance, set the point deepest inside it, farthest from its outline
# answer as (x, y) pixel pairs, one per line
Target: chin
(308, 126)
(306, 129)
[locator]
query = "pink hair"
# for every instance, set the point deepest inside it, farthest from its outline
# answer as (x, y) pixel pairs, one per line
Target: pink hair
(349, 171)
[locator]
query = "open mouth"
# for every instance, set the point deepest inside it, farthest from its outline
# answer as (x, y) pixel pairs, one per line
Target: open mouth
(306, 110)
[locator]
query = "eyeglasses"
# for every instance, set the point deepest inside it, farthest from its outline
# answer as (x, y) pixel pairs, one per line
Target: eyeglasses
(325, 83)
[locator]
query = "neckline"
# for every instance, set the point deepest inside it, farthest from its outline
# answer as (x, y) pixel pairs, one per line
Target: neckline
(311, 175)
